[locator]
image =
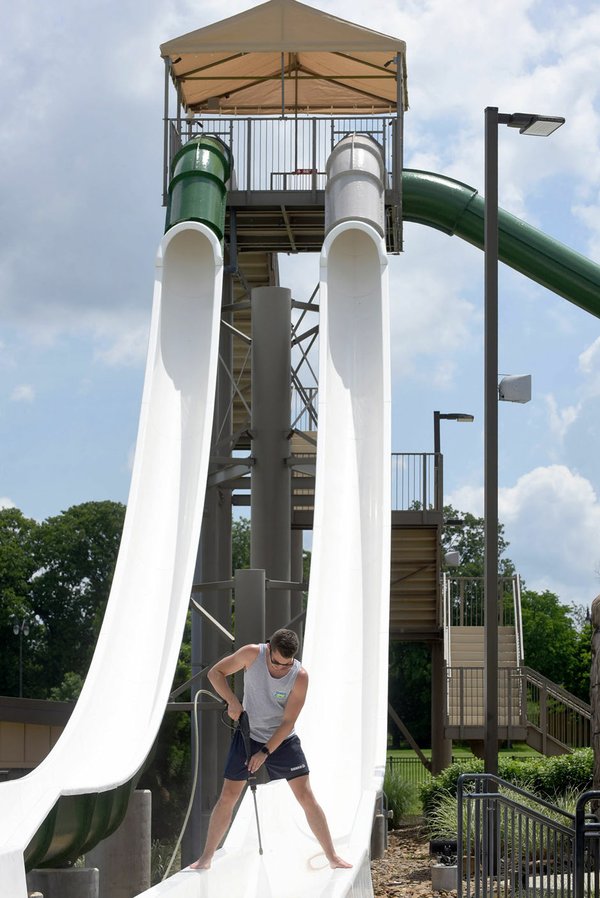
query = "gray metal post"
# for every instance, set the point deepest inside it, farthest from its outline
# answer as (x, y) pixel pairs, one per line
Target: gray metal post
(271, 483)
(76, 882)
(441, 748)
(297, 576)
(249, 612)
(124, 858)
(490, 464)
(213, 564)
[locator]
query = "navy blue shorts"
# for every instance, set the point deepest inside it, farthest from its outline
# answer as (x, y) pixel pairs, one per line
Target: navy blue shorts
(285, 763)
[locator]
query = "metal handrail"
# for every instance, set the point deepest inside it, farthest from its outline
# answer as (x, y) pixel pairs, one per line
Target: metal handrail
(518, 618)
(557, 692)
(511, 842)
(281, 154)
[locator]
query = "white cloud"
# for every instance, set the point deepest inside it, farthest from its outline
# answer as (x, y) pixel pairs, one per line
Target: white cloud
(552, 521)
(551, 518)
(560, 420)
(6, 502)
(23, 393)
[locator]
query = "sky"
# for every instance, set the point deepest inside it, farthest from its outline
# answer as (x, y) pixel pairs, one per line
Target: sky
(81, 92)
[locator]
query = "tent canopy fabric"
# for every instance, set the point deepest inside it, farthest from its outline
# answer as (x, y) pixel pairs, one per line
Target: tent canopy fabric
(286, 57)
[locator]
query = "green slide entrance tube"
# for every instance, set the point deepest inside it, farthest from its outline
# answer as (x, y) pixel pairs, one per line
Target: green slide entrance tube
(456, 208)
(197, 191)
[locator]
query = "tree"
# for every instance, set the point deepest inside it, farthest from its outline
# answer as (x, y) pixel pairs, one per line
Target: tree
(75, 554)
(17, 565)
(410, 690)
(240, 544)
(557, 641)
(468, 539)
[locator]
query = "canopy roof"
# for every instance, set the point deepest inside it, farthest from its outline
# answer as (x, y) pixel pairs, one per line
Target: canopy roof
(285, 56)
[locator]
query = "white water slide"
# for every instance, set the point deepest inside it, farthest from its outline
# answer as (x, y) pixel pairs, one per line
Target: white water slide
(344, 723)
(115, 721)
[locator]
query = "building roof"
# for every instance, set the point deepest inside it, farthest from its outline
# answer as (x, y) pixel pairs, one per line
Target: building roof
(285, 56)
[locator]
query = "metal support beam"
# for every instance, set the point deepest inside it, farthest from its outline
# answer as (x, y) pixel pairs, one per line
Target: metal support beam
(271, 403)
(441, 748)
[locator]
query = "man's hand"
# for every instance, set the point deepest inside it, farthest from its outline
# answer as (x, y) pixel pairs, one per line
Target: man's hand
(234, 708)
(256, 762)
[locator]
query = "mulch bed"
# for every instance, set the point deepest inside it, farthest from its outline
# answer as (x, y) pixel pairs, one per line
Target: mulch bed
(404, 871)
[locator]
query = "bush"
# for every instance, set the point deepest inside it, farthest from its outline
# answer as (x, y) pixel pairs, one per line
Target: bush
(557, 776)
(402, 796)
(445, 783)
(549, 778)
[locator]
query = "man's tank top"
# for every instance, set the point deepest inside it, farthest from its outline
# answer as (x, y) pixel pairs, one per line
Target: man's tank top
(265, 697)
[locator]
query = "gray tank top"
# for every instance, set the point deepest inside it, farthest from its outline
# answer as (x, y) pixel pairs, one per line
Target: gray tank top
(265, 697)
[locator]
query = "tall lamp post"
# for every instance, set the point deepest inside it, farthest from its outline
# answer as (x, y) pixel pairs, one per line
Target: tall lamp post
(438, 481)
(20, 629)
(441, 748)
(539, 126)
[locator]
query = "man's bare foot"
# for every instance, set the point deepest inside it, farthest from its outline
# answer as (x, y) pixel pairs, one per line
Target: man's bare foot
(203, 863)
(336, 862)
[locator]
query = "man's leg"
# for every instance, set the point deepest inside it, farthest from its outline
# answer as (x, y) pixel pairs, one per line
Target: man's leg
(315, 817)
(219, 821)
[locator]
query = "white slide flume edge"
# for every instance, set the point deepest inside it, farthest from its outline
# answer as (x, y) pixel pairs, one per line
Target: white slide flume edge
(108, 736)
(343, 726)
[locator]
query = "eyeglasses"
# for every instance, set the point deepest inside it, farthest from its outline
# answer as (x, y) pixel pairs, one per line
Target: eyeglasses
(279, 663)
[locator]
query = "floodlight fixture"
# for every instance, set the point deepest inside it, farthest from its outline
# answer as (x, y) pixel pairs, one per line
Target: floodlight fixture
(531, 124)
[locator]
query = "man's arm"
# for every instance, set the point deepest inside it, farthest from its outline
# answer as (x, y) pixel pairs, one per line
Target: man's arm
(294, 705)
(231, 664)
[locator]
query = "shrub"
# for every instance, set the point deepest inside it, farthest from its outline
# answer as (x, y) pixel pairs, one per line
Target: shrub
(549, 778)
(402, 796)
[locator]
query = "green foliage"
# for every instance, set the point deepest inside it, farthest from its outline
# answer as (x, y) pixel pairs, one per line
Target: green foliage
(553, 645)
(240, 544)
(445, 783)
(548, 778)
(410, 690)
(17, 565)
(69, 689)
(468, 541)
(402, 796)
(75, 554)
(557, 776)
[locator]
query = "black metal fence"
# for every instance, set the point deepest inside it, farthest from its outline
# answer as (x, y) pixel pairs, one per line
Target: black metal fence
(511, 843)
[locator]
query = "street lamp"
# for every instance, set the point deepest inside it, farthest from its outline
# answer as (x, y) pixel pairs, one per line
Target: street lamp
(20, 629)
(437, 466)
(540, 126)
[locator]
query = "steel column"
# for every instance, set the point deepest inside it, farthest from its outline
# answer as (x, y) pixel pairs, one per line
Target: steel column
(270, 428)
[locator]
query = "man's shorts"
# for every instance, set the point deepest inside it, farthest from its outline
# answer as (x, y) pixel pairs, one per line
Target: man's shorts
(285, 763)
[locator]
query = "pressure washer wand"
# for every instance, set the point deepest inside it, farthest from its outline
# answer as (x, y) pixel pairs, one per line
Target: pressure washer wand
(244, 725)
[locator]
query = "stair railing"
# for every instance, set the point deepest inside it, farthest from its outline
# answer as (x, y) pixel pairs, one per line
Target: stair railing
(516, 587)
(556, 714)
(512, 843)
(446, 619)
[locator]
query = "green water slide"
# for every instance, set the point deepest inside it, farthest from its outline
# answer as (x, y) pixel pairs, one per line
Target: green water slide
(456, 208)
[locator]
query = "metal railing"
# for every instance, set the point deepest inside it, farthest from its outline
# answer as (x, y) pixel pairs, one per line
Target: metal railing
(465, 694)
(274, 153)
(465, 601)
(554, 713)
(511, 843)
(555, 719)
(587, 845)
(413, 481)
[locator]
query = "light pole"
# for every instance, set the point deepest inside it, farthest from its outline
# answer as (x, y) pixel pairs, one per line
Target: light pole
(437, 466)
(540, 126)
(20, 629)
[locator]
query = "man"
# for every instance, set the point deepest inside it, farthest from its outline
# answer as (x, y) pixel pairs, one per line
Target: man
(275, 686)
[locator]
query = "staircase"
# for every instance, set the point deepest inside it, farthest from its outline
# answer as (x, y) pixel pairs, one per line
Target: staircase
(530, 707)
(414, 583)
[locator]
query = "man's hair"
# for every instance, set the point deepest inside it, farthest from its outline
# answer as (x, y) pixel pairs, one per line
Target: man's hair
(285, 642)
